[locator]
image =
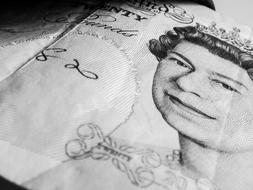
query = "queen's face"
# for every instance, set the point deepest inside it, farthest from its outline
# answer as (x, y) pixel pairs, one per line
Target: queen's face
(206, 98)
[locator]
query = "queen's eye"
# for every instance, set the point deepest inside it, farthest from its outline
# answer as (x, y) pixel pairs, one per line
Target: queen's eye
(226, 86)
(181, 63)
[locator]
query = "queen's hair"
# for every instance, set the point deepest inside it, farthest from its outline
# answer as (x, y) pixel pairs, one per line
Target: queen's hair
(172, 38)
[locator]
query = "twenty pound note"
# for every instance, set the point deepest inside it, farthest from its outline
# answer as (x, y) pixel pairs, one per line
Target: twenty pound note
(139, 95)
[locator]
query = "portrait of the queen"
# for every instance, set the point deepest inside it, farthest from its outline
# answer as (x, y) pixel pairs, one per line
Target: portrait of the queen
(203, 88)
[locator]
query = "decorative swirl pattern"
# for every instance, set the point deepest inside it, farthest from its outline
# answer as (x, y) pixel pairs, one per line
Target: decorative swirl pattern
(93, 144)
(143, 167)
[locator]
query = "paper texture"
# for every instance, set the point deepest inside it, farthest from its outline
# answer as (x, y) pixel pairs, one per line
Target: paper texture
(124, 100)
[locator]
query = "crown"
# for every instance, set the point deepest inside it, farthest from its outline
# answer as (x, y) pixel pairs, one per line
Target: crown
(231, 37)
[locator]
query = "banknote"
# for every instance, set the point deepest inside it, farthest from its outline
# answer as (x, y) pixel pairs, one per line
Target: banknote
(138, 95)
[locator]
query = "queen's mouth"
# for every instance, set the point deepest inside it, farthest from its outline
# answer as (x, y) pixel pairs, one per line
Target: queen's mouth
(188, 108)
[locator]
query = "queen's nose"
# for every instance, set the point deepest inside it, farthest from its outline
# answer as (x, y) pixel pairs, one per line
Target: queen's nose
(194, 83)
